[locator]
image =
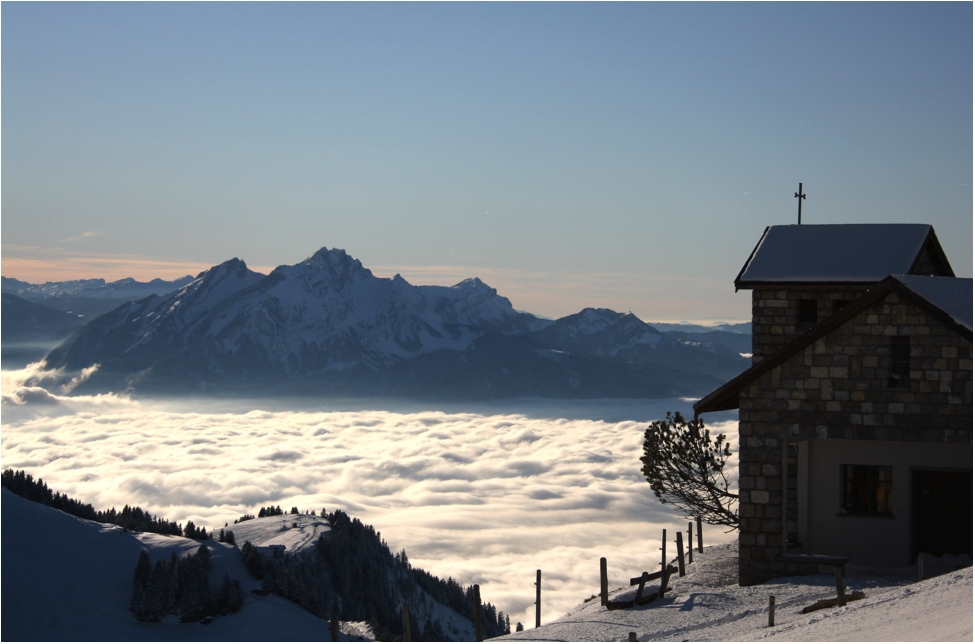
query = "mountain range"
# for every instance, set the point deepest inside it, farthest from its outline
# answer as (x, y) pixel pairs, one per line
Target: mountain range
(328, 326)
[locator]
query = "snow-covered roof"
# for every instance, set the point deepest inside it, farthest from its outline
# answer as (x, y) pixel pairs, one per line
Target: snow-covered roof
(953, 295)
(856, 253)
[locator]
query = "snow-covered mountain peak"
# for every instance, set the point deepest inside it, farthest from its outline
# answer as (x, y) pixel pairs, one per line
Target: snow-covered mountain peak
(219, 272)
(208, 290)
(475, 285)
(332, 268)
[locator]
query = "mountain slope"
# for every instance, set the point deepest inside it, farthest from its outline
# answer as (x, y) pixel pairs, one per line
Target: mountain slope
(65, 578)
(69, 578)
(328, 326)
(24, 321)
(606, 333)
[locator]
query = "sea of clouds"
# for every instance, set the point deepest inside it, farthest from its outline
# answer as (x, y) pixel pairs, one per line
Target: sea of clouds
(482, 493)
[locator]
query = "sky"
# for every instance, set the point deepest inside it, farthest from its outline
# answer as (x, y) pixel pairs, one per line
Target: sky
(625, 156)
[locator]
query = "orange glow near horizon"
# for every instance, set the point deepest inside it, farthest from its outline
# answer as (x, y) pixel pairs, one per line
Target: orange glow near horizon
(143, 269)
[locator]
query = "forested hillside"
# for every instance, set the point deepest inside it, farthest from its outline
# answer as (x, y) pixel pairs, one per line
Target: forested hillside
(349, 573)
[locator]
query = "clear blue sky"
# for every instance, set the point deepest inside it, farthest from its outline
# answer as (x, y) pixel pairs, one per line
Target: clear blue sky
(571, 155)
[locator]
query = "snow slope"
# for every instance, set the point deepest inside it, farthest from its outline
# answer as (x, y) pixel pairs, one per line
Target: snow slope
(295, 532)
(708, 605)
(69, 579)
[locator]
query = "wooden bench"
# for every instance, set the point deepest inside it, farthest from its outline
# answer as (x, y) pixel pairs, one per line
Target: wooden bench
(641, 581)
(823, 560)
(839, 569)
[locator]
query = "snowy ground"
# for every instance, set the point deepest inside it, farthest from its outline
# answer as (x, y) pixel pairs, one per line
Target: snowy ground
(708, 605)
(69, 579)
(293, 531)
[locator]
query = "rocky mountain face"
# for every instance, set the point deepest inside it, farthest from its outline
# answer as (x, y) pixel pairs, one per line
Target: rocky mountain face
(328, 326)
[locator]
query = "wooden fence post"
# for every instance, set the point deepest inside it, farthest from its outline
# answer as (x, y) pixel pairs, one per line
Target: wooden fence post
(406, 623)
(478, 618)
(632, 636)
(639, 590)
(603, 582)
(700, 537)
(680, 553)
(333, 627)
(840, 595)
(771, 611)
(538, 598)
(690, 542)
(663, 550)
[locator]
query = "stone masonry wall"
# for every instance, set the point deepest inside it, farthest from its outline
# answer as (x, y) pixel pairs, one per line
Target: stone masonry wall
(837, 388)
(775, 313)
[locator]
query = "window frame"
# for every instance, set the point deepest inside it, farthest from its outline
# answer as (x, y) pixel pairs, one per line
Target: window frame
(880, 481)
(900, 362)
(807, 313)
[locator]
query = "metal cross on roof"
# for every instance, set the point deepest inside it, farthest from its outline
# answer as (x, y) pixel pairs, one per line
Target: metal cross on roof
(800, 197)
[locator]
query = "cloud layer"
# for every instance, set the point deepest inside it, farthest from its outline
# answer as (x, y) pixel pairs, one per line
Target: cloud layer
(485, 497)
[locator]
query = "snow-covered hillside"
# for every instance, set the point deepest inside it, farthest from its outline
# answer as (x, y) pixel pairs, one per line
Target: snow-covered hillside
(708, 605)
(65, 578)
(296, 532)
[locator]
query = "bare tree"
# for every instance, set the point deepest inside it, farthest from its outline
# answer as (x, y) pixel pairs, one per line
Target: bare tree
(686, 469)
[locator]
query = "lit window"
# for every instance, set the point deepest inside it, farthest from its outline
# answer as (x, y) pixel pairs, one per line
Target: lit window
(867, 489)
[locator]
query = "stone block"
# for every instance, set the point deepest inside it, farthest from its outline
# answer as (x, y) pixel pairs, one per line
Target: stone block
(759, 496)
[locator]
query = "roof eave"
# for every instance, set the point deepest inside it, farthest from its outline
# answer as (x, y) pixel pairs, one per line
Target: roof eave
(751, 284)
(749, 260)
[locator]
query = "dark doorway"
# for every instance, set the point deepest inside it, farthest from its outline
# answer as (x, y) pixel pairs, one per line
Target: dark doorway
(942, 512)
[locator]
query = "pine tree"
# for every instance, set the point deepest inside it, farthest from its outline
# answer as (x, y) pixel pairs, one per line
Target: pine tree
(154, 605)
(140, 582)
(203, 553)
(236, 596)
(686, 469)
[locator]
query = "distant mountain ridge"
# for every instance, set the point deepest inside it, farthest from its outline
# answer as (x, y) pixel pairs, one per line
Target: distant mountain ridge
(89, 298)
(328, 326)
(25, 321)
